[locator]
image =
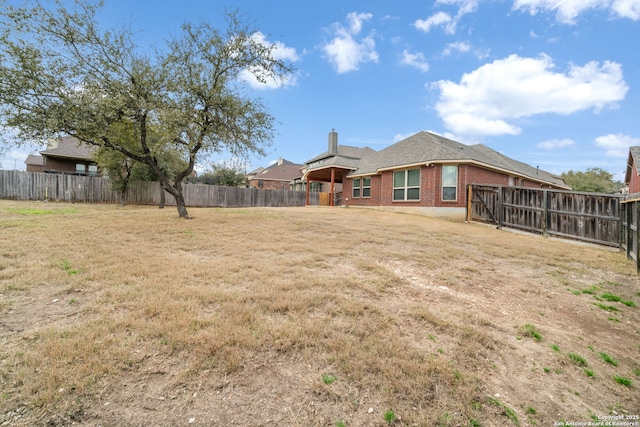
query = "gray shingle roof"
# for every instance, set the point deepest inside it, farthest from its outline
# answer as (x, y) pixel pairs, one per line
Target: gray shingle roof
(70, 147)
(347, 157)
(34, 160)
(286, 171)
(425, 147)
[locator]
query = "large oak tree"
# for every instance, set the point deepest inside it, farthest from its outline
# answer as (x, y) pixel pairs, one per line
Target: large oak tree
(62, 74)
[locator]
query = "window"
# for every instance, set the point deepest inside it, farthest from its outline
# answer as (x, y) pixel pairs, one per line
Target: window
(356, 188)
(93, 170)
(315, 186)
(361, 187)
(366, 187)
(406, 185)
(449, 183)
(80, 168)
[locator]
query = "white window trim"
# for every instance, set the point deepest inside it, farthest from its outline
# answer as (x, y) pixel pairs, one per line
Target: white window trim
(357, 188)
(406, 187)
(363, 188)
(449, 186)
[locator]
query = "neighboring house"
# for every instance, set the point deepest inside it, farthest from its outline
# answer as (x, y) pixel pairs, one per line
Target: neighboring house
(631, 177)
(34, 163)
(66, 155)
(431, 173)
(278, 176)
(328, 171)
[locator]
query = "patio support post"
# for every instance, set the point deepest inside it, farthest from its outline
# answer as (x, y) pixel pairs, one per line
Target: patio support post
(333, 177)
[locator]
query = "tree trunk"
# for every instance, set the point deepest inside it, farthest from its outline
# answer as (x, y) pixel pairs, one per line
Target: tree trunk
(176, 191)
(122, 198)
(181, 205)
(162, 197)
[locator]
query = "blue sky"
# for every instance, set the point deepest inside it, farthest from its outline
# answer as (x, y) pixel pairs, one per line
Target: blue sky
(552, 83)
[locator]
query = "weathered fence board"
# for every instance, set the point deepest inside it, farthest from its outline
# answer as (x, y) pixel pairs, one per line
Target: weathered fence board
(20, 185)
(590, 217)
(630, 234)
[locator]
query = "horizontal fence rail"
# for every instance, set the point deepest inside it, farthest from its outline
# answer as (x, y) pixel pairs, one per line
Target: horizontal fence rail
(20, 185)
(589, 217)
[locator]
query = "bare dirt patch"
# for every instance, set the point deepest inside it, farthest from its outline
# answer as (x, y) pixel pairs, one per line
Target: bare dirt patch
(306, 316)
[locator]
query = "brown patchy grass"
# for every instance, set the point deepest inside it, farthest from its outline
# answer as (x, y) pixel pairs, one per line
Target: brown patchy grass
(130, 316)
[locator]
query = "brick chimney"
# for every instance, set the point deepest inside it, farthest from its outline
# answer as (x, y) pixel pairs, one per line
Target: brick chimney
(333, 142)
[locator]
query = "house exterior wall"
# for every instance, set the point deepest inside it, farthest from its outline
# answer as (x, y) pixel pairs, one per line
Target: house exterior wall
(431, 187)
(35, 168)
(53, 164)
(634, 182)
(269, 184)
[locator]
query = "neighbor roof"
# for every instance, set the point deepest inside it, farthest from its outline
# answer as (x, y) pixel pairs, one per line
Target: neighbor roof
(426, 147)
(286, 171)
(70, 147)
(35, 160)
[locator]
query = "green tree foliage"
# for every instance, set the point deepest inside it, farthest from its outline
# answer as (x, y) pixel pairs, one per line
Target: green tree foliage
(593, 180)
(62, 74)
(227, 173)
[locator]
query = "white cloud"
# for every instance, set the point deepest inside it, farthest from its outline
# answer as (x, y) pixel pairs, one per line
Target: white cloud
(568, 10)
(552, 144)
(280, 52)
(616, 145)
(416, 60)
(345, 51)
(627, 9)
(489, 99)
(436, 20)
(464, 6)
(444, 19)
(462, 47)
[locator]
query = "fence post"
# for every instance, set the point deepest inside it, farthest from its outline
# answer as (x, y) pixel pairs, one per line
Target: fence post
(469, 202)
(500, 200)
(636, 237)
(545, 218)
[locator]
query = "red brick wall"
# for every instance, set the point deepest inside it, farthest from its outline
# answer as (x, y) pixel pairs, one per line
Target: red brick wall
(34, 168)
(270, 185)
(634, 182)
(430, 187)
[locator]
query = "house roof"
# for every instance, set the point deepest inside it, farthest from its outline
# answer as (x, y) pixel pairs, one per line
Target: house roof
(426, 147)
(69, 147)
(634, 156)
(281, 171)
(34, 159)
(346, 156)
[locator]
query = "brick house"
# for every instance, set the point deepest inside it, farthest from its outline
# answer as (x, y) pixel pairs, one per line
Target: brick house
(430, 174)
(278, 176)
(65, 155)
(631, 177)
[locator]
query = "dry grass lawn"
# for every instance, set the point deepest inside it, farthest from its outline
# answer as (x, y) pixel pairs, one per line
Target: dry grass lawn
(114, 316)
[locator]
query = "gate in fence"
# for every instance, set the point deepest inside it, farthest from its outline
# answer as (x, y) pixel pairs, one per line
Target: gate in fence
(589, 217)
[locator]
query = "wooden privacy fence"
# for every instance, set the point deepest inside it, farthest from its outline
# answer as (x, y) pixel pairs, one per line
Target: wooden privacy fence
(589, 217)
(20, 185)
(630, 230)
